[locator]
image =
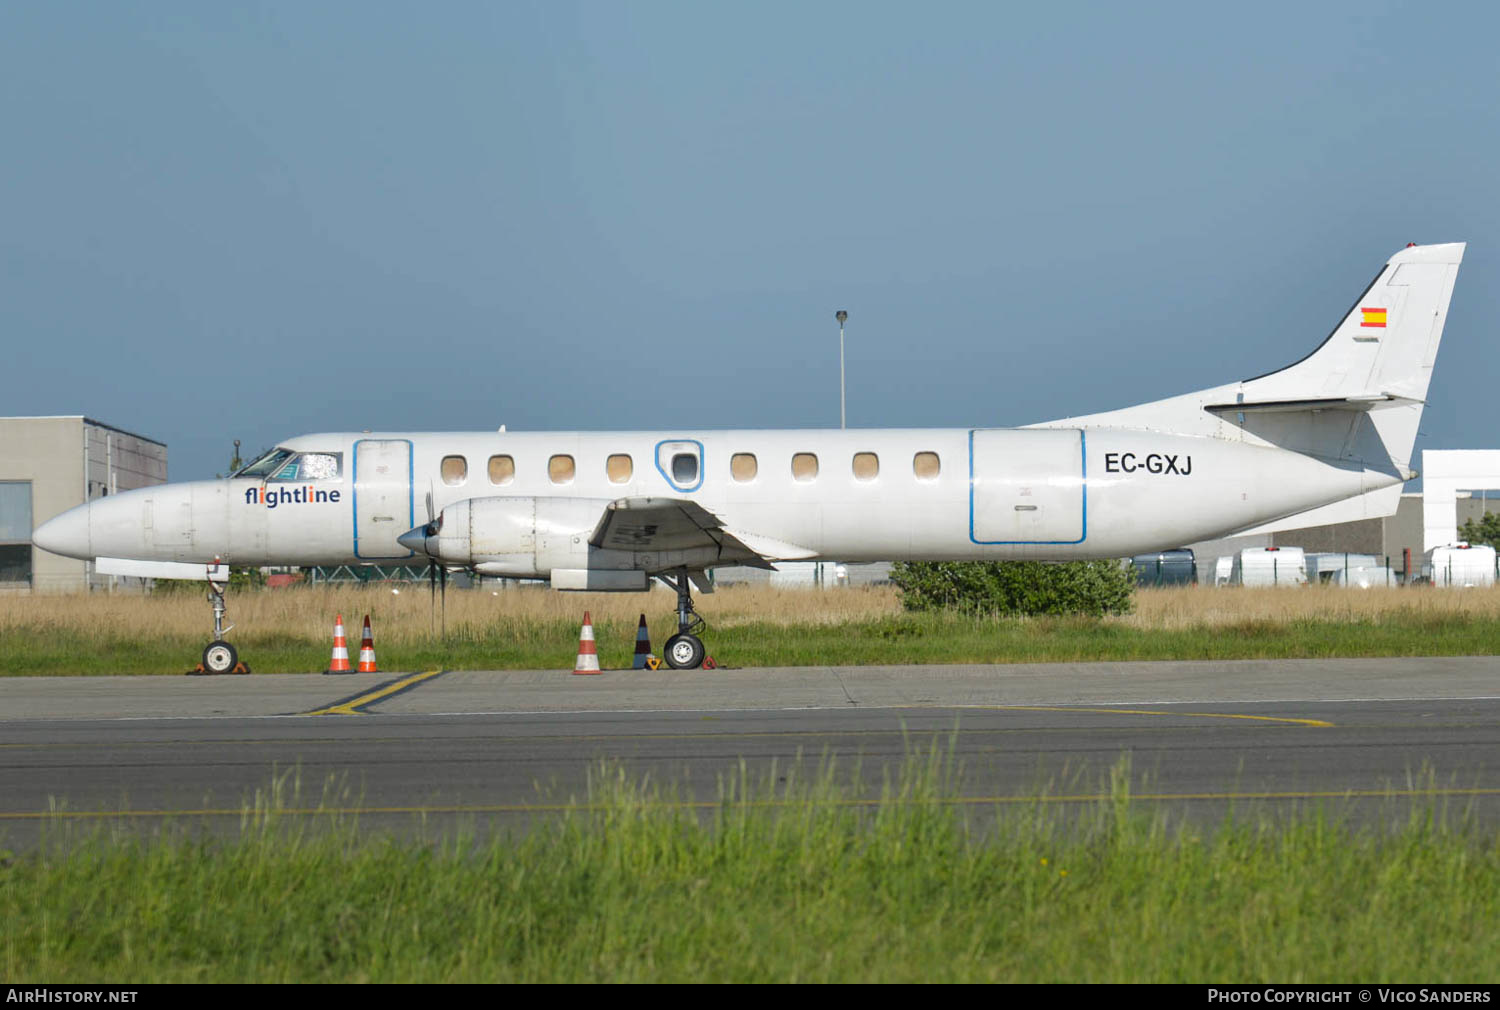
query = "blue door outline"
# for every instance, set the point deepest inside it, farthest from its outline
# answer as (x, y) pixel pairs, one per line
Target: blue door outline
(410, 503)
(1083, 470)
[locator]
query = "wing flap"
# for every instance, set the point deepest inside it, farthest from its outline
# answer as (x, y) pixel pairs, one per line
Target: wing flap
(671, 524)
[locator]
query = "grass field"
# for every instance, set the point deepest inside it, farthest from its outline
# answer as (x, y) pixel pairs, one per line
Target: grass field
(802, 881)
(286, 631)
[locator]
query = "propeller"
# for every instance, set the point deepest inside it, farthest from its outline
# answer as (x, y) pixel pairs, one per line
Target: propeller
(437, 572)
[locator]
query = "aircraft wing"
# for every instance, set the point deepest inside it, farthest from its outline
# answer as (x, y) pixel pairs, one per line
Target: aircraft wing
(674, 524)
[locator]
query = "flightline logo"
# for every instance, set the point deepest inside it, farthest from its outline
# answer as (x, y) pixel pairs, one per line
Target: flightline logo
(274, 496)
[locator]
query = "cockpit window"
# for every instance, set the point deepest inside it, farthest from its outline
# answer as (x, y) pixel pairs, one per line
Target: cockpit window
(310, 466)
(265, 464)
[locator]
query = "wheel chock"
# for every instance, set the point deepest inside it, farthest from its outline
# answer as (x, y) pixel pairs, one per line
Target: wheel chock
(709, 663)
(199, 671)
(652, 663)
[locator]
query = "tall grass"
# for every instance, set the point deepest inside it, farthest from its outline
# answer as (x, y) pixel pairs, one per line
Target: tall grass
(806, 880)
(291, 630)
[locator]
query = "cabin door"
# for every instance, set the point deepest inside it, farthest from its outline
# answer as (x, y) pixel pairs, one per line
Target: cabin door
(1027, 486)
(383, 508)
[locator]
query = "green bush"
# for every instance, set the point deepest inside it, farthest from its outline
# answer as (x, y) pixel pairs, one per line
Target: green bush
(1029, 588)
(239, 579)
(1485, 531)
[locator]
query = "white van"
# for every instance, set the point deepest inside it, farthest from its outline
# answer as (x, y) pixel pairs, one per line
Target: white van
(1224, 567)
(1271, 566)
(1363, 577)
(1322, 566)
(1461, 564)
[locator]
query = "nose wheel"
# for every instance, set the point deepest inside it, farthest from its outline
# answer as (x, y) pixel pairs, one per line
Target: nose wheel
(684, 650)
(219, 657)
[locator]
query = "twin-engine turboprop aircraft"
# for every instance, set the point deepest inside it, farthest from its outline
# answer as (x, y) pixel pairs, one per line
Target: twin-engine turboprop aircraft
(1327, 439)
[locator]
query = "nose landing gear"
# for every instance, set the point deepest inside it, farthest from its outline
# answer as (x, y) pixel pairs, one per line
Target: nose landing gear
(685, 650)
(219, 656)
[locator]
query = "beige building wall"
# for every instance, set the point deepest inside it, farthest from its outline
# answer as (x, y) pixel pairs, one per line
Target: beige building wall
(1363, 536)
(70, 460)
(1384, 538)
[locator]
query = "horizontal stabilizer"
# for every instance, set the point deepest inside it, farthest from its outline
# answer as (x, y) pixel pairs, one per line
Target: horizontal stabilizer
(1326, 403)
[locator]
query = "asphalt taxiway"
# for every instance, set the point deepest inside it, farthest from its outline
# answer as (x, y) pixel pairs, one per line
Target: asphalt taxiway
(488, 748)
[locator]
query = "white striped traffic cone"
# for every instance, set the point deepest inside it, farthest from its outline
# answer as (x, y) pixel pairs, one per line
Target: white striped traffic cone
(367, 650)
(588, 653)
(642, 645)
(340, 661)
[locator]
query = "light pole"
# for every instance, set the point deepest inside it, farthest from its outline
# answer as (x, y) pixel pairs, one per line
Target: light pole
(841, 315)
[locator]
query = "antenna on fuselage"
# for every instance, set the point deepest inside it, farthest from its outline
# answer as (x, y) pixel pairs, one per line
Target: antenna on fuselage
(841, 315)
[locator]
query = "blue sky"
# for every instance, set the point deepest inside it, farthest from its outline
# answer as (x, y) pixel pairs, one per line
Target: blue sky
(261, 220)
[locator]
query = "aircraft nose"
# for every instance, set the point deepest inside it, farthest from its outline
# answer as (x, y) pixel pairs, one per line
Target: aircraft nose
(66, 534)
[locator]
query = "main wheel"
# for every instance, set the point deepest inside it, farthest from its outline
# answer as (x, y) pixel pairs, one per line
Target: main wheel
(685, 652)
(219, 657)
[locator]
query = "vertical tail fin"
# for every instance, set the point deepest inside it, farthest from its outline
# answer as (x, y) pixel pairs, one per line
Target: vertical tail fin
(1387, 343)
(1382, 354)
(1357, 397)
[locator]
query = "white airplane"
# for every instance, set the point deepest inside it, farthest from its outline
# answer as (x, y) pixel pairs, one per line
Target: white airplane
(1328, 439)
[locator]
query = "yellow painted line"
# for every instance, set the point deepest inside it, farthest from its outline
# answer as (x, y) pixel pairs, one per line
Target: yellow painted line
(1145, 711)
(580, 739)
(352, 706)
(741, 735)
(542, 808)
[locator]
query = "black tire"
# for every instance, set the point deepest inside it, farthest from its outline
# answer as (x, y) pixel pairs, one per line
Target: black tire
(219, 657)
(684, 652)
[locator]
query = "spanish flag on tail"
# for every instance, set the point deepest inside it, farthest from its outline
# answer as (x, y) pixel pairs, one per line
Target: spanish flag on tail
(1373, 317)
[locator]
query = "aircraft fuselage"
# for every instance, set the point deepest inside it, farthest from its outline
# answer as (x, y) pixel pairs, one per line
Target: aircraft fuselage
(847, 495)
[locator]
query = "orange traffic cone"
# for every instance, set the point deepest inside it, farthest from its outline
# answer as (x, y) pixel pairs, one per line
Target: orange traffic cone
(642, 645)
(588, 653)
(367, 650)
(340, 661)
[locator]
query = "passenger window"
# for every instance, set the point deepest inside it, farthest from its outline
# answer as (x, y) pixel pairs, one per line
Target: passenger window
(561, 469)
(620, 468)
(804, 466)
(866, 466)
(925, 465)
(455, 470)
(680, 462)
(502, 469)
(742, 467)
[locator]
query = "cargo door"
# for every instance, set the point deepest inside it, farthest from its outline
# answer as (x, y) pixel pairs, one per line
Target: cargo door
(1027, 486)
(383, 507)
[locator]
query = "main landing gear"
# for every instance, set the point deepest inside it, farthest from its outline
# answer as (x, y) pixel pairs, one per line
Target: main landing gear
(684, 650)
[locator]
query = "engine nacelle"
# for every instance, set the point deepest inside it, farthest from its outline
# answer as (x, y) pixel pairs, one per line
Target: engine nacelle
(522, 537)
(530, 537)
